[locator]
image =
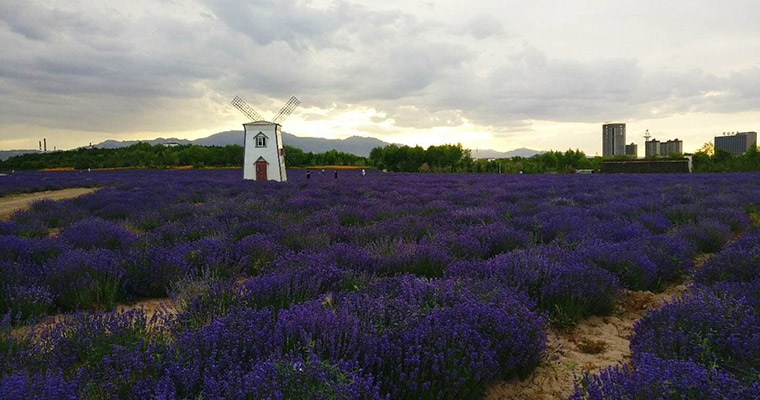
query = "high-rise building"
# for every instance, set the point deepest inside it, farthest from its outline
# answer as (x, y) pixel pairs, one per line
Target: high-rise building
(652, 148)
(737, 143)
(632, 150)
(613, 140)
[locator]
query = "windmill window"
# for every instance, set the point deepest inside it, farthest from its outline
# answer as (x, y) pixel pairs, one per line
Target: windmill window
(261, 141)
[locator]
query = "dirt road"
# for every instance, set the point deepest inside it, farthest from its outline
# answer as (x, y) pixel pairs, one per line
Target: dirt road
(13, 203)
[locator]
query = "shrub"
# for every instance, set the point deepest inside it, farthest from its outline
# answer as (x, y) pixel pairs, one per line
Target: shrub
(30, 250)
(93, 232)
(671, 254)
(655, 378)
(567, 290)
(281, 289)
(85, 279)
(708, 235)
(500, 238)
(454, 352)
(24, 302)
(238, 339)
(210, 254)
(100, 355)
(655, 222)
(705, 328)
(84, 339)
(256, 252)
(629, 263)
(739, 262)
(48, 385)
(201, 299)
(442, 338)
(294, 377)
(424, 259)
(150, 270)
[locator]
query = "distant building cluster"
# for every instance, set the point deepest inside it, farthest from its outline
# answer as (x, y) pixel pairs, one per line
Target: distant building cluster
(613, 143)
(737, 143)
(659, 154)
(656, 148)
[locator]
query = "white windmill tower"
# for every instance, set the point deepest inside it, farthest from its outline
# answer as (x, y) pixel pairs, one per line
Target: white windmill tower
(264, 157)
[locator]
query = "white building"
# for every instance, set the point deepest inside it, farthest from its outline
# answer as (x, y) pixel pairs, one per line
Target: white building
(264, 154)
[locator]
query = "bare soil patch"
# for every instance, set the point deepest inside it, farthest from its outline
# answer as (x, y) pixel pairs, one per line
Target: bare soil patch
(11, 204)
(150, 307)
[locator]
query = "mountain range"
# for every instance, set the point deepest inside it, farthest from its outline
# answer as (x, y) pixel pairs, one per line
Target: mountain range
(6, 154)
(358, 145)
(521, 152)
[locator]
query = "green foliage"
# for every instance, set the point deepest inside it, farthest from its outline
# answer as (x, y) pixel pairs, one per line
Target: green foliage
(144, 155)
(454, 158)
(104, 293)
(444, 158)
(295, 157)
(722, 161)
(138, 155)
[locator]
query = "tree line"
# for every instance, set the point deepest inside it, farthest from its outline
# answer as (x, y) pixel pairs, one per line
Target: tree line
(394, 158)
(444, 158)
(455, 158)
(707, 159)
(145, 155)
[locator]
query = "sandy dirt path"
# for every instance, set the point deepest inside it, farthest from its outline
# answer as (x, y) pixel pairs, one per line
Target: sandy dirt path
(593, 344)
(16, 202)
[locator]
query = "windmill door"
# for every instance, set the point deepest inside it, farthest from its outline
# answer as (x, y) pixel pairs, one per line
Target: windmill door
(261, 170)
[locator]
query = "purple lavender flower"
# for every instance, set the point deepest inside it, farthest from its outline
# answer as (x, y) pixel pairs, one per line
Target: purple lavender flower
(92, 233)
(655, 378)
(85, 279)
(714, 331)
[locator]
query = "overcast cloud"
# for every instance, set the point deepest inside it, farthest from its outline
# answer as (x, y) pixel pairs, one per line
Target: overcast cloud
(498, 74)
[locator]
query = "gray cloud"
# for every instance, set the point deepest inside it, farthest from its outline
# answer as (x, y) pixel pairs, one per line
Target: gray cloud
(483, 26)
(86, 67)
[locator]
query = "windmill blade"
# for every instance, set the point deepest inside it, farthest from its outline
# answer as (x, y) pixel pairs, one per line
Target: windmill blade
(244, 108)
(286, 110)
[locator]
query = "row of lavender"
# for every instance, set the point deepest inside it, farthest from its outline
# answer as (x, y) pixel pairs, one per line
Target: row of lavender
(704, 346)
(36, 181)
(392, 285)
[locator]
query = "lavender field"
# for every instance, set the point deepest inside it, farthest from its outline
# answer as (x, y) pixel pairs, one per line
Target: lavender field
(388, 286)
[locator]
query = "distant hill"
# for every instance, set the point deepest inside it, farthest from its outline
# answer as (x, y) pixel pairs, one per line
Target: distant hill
(357, 145)
(5, 154)
(116, 144)
(360, 146)
(521, 152)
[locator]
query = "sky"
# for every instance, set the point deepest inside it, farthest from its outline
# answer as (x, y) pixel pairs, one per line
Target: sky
(498, 74)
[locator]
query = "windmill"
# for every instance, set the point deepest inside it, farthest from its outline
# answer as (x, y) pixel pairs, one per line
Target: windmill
(264, 153)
